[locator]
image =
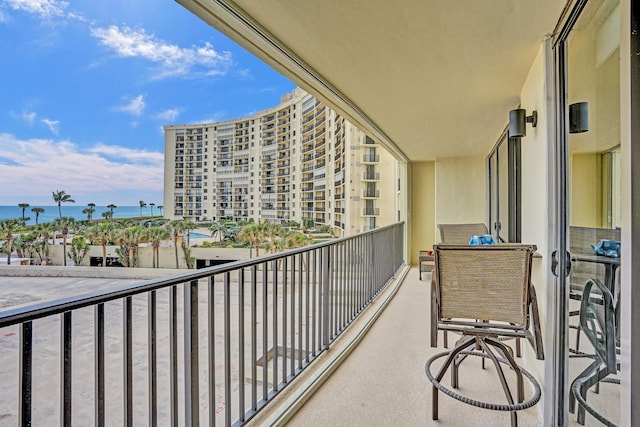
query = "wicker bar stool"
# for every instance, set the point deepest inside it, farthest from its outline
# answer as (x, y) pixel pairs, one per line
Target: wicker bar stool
(485, 294)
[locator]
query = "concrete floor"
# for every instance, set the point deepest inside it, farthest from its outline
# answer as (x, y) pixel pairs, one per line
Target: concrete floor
(383, 383)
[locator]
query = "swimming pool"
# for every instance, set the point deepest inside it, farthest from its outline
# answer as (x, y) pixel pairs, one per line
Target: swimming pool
(195, 235)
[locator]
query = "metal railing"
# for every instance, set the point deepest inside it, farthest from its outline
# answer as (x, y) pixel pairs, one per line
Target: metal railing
(212, 345)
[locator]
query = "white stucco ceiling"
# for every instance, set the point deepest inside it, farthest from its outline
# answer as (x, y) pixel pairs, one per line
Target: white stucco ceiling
(435, 77)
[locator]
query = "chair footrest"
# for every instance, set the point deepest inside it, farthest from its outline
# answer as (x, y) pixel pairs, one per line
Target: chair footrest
(481, 404)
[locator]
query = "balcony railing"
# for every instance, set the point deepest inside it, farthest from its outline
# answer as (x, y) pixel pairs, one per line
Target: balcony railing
(371, 176)
(370, 194)
(370, 158)
(216, 344)
(371, 212)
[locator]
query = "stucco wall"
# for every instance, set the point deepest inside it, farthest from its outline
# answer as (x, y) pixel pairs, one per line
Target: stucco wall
(461, 191)
(145, 255)
(586, 194)
(537, 193)
(422, 208)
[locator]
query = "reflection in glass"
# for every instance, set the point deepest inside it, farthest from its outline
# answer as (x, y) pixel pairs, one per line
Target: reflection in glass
(593, 80)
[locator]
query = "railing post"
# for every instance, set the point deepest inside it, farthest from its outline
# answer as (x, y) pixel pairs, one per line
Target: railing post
(26, 360)
(65, 369)
(173, 351)
(127, 349)
(191, 385)
(99, 364)
(326, 332)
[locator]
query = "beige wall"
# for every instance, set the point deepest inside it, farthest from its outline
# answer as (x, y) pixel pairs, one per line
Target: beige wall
(422, 212)
(538, 187)
(586, 190)
(145, 255)
(460, 191)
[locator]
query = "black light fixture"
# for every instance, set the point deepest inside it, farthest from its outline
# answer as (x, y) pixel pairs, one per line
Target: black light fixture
(518, 120)
(579, 117)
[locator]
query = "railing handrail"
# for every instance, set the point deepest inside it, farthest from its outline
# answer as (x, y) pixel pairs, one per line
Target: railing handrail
(39, 310)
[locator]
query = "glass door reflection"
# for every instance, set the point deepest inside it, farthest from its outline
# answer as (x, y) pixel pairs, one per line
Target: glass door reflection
(593, 98)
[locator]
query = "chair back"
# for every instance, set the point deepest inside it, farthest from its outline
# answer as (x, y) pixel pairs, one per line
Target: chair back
(580, 241)
(460, 234)
(597, 318)
(488, 283)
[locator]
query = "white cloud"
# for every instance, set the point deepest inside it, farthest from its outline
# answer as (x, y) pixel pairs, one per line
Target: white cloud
(134, 107)
(168, 115)
(28, 116)
(3, 17)
(52, 125)
(35, 167)
(44, 8)
(173, 60)
(128, 154)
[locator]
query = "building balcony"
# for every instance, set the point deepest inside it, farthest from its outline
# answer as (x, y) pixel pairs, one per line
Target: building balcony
(370, 158)
(366, 176)
(370, 212)
(370, 194)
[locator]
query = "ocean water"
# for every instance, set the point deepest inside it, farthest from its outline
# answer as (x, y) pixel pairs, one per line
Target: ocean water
(74, 211)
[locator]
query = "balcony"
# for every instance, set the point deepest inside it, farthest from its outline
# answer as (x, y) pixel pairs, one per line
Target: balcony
(367, 176)
(370, 158)
(370, 194)
(370, 212)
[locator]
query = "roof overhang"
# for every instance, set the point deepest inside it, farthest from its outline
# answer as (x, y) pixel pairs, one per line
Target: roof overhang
(427, 79)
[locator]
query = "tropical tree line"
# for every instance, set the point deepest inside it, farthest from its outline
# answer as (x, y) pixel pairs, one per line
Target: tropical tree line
(60, 197)
(265, 235)
(33, 241)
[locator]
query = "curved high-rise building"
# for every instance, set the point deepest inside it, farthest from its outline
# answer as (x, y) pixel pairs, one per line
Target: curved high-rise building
(297, 161)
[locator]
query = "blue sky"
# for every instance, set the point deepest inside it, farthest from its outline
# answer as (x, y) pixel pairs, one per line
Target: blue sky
(87, 85)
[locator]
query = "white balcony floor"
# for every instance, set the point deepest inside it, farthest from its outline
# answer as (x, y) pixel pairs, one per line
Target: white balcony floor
(382, 382)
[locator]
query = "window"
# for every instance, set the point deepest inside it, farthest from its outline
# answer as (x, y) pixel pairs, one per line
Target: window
(504, 166)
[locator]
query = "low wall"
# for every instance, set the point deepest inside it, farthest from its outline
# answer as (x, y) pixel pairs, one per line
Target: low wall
(87, 272)
(167, 255)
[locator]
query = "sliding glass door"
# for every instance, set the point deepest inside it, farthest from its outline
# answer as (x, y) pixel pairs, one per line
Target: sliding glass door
(587, 338)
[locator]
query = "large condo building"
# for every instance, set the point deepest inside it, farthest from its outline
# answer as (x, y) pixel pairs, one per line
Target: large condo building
(299, 160)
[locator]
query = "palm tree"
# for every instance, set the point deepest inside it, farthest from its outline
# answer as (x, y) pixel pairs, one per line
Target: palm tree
(295, 239)
(23, 206)
(61, 197)
(111, 208)
(142, 205)
(102, 233)
(156, 235)
(7, 227)
(254, 234)
(79, 248)
(161, 208)
(37, 211)
(91, 206)
(220, 228)
(273, 237)
(89, 212)
(188, 226)
(152, 205)
(129, 238)
(178, 228)
(41, 244)
(64, 224)
(107, 215)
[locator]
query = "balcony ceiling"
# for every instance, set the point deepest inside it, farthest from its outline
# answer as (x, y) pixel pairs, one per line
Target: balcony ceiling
(428, 79)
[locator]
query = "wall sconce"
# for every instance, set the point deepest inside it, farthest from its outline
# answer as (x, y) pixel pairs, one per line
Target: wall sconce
(518, 120)
(579, 117)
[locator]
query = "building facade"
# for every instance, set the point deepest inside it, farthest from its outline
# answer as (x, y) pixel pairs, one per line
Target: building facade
(297, 161)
